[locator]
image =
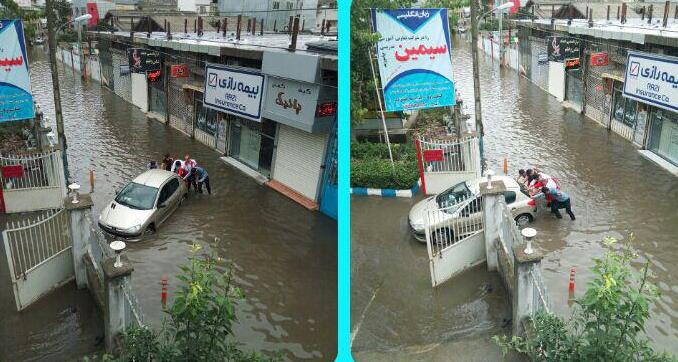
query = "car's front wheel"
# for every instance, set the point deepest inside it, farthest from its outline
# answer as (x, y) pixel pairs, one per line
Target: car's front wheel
(150, 230)
(523, 219)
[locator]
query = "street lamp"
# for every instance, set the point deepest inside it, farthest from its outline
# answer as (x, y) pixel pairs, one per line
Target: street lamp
(77, 21)
(500, 8)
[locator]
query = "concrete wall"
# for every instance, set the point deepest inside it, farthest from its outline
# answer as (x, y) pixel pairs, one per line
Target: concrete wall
(557, 80)
(140, 91)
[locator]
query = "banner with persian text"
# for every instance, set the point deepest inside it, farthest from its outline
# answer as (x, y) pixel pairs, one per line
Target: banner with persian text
(414, 57)
(16, 98)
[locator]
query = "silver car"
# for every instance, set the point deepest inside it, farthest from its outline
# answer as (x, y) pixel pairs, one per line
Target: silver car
(461, 205)
(143, 204)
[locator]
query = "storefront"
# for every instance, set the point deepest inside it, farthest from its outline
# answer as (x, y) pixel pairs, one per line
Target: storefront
(574, 92)
(205, 123)
(157, 97)
(663, 135)
(304, 125)
(252, 143)
(629, 117)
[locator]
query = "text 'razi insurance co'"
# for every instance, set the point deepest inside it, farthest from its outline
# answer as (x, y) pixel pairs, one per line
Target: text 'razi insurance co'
(234, 90)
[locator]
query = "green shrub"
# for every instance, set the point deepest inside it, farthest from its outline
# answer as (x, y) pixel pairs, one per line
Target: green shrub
(378, 173)
(607, 322)
(371, 166)
(367, 150)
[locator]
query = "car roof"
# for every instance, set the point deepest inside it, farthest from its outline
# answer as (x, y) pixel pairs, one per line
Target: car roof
(509, 181)
(154, 178)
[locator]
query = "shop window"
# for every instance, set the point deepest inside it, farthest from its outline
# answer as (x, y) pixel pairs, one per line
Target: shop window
(206, 120)
(663, 138)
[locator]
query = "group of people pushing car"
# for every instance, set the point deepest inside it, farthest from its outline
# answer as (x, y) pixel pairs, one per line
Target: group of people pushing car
(188, 169)
(542, 186)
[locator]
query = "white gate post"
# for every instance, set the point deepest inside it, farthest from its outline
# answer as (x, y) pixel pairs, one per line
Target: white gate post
(81, 234)
(523, 297)
(114, 299)
(492, 216)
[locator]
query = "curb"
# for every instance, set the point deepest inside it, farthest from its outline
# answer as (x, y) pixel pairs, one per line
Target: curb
(364, 191)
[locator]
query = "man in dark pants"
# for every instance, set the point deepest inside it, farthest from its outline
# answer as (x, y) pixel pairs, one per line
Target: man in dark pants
(202, 177)
(561, 200)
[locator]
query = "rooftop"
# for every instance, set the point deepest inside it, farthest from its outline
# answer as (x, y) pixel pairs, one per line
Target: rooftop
(249, 46)
(634, 30)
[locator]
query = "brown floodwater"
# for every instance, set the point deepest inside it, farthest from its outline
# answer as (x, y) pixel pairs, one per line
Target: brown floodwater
(615, 192)
(283, 256)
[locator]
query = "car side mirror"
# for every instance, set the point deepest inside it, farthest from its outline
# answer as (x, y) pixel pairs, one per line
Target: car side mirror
(162, 206)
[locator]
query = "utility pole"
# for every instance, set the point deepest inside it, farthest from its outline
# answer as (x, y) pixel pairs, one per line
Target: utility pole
(476, 70)
(51, 41)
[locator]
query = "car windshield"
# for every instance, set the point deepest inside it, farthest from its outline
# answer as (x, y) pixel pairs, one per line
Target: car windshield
(454, 195)
(137, 196)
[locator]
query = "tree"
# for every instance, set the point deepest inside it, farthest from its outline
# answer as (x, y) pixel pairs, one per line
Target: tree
(363, 96)
(199, 322)
(607, 321)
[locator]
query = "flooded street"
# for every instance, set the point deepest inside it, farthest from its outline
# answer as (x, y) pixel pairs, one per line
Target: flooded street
(284, 257)
(615, 192)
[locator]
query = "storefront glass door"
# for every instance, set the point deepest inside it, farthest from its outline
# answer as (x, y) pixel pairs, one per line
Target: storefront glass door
(664, 135)
(252, 143)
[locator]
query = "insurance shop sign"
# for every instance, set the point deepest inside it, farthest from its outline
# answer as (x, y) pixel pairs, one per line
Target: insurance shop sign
(234, 90)
(652, 79)
(414, 58)
(16, 98)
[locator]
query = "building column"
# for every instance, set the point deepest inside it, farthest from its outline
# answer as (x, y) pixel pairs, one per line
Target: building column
(523, 294)
(114, 299)
(81, 233)
(492, 219)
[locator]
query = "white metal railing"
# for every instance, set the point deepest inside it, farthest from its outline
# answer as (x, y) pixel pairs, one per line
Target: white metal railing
(133, 313)
(457, 220)
(458, 155)
(29, 244)
(540, 299)
(39, 170)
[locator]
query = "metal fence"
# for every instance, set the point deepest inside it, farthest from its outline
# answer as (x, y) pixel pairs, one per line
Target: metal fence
(456, 155)
(540, 296)
(133, 314)
(459, 218)
(31, 243)
(99, 251)
(38, 170)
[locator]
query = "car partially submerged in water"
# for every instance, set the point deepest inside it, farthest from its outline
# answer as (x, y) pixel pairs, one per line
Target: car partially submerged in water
(462, 205)
(143, 204)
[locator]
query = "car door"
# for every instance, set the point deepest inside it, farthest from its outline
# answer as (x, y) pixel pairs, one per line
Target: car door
(161, 205)
(169, 197)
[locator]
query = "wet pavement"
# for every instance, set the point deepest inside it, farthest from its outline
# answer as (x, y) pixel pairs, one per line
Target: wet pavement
(395, 312)
(284, 257)
(615, 192)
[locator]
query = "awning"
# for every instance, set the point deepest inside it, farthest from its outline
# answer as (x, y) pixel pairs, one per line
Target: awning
(613, 76)
(193, 87)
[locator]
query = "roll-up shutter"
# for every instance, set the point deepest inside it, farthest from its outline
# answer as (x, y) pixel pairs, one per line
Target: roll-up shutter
(298, 161)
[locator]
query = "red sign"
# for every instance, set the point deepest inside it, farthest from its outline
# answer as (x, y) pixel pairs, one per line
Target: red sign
(572, 63)
(92, 10)
(153, 76)
(599, 59)
(179, 71)
(12, 171)
(326, 109)
(433, 155)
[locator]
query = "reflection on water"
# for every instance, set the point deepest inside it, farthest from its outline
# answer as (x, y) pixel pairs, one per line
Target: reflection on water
(615, 192)
(284, 256)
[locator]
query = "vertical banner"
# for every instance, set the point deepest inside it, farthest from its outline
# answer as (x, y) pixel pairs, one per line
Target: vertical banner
(414, 56)
(16, 99)
(94, 11)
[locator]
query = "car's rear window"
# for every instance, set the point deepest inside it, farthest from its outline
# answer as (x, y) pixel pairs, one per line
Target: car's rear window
(137, 196)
